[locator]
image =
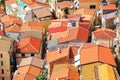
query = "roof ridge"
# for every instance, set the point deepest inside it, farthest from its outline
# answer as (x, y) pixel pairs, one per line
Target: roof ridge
(25, 43)
(27, 72)
(107, 34)
(14, 26)
(34, 47)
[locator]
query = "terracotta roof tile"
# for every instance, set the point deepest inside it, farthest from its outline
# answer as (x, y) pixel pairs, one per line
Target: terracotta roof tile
(63, 71)
(85, 11)
(31, 26)
(27, 73)
(76, 33)
(58, 35)
(85, 25)
(29, 45)
(65, 4)
(73, 51)
(55, 55)
(55, 30)
(54, 25)
(75, 17)
(8, 20)
(62, 28)
(45, 13)
(108, 7)
(13, 28)
(31, 61)
(36, 4)
(97, 53)
(104, 34)
(87, 45)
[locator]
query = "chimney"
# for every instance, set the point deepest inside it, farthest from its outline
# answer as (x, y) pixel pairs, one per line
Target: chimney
(47, 50)
(59, 50)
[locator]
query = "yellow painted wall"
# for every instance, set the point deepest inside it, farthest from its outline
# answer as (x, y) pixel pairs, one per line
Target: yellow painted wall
(88, 72)
(106, 72)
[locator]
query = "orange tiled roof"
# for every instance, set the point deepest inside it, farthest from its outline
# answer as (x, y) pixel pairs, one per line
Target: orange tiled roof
(104, 33)
(9, 19)
(85, 11)
(108, 7)
(55, 55)
(27, 73)
(54, 25)
(45, 13)
(95, 54)
(76, 33)
(31, 26)
(57, 25)
(65, 4)
(29, 45)
(87, 45)
(35, 4)
(58, 35)
(13, 28)
(63, 71)
(73, 51)
(34, 61)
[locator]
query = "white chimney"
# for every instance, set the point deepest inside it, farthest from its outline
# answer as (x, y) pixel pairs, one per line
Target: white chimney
(47, 50)
(59, 51)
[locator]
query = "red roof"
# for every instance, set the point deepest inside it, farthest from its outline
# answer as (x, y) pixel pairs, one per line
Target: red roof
(56, 55)
(31, 25)
(85, 25)
(29, 45)
(76, 17)
(9, 19)
(97, 54)
(104, 34)
(76, 33)
(13, 28)
(27, 73)
(62, 28)
(87, 45)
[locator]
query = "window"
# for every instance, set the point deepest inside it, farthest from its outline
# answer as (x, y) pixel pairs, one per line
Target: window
(2, 71)
(59, 0)
(1, 63)
(92, 6)
(2, 78)
(23, 55)
(32, 54)
(1, 55)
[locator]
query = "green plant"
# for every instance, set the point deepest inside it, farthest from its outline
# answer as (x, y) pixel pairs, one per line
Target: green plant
(41, 77)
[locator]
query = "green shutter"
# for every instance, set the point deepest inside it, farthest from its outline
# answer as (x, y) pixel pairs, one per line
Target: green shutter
(1, 63)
